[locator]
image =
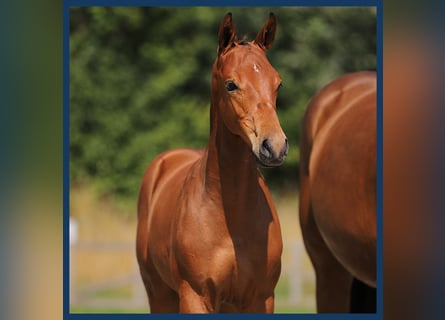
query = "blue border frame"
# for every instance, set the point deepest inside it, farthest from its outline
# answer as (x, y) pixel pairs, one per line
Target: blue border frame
(66, 158)
(66, 138)
(380, 260)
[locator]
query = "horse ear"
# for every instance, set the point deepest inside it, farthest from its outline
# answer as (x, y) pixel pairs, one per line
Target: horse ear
(266, 35)
(226, 33)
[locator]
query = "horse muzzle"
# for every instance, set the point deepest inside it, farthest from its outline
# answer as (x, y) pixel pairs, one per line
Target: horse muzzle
(272, 154)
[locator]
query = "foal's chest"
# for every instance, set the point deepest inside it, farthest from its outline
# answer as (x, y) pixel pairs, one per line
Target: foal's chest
(249, 275)
(237, 262)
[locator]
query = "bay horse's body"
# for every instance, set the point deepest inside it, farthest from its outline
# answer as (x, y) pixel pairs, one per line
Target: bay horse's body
(338, 192)
(208, 237)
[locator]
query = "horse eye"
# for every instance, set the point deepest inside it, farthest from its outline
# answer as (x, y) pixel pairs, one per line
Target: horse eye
(231, 86)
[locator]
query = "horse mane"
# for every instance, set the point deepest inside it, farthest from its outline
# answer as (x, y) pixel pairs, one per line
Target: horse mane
(240, 42)
(243, 41)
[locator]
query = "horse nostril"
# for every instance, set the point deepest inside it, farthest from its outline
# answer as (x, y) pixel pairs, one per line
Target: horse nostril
(286, 147)
(267, 149)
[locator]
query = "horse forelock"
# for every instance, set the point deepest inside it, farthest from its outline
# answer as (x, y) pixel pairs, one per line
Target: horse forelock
(239, 42)
(244, 42)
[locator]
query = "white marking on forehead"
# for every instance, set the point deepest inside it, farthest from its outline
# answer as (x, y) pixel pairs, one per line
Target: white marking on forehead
(255, 67)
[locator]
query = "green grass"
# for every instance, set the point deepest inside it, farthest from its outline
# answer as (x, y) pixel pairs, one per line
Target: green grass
(121, 292)
(292, 310)
(278, 309)
(106, 310)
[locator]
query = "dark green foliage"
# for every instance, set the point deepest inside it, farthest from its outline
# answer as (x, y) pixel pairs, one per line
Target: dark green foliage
(140, 80)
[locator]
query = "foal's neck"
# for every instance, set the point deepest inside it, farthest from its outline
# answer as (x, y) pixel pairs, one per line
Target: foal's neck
(231, 171)
(234, 157)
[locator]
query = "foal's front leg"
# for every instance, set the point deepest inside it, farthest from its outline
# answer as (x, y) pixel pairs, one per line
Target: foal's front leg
(191, 302)
(270, 304)
(261, 305)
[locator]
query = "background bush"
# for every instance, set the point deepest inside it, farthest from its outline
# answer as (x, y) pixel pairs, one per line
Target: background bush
(140, 80)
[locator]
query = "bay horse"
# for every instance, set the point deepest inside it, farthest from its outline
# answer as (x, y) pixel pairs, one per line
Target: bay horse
(208, 234)
(338, 192)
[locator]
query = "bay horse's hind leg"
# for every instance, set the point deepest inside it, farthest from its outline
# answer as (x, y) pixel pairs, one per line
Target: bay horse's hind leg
(161, 297)
(363, 297)
(333, 281)
(333, 285)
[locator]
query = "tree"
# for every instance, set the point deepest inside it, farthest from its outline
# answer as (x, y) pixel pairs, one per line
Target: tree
(140, 80)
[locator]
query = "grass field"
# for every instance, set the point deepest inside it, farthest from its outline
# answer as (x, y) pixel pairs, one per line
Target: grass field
(102, 222)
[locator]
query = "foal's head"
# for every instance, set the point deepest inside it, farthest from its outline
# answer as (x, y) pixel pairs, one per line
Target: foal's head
(244, 89)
